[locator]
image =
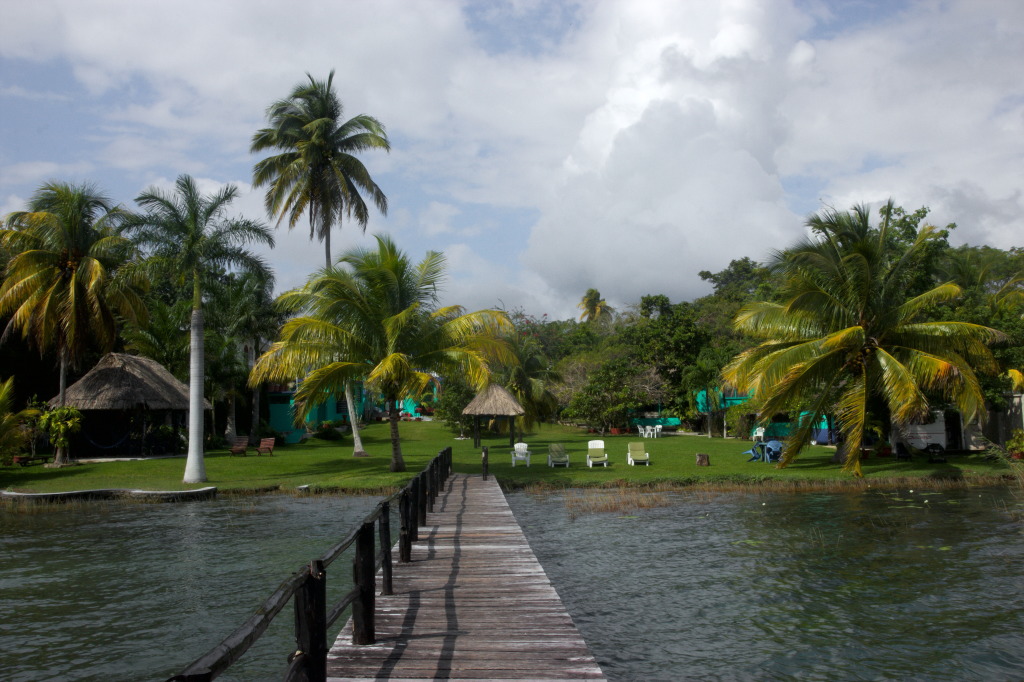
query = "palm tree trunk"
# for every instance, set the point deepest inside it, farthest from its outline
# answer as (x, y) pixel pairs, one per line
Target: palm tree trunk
(397, 463)
(231, 428)
(195, 468)
(357, 441)
(60, 456)
(254, 426)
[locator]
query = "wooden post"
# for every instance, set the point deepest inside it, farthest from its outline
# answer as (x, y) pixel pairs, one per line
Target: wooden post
(404, 533)
(363, 577)
(483, 462)
(311, 621)
(703, 460)
(414, 510)
(385, 548)
(431, 485)
(421, 500)
(436, 474)
(476, 431)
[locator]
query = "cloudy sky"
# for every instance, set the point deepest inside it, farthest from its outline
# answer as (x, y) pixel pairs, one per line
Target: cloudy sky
(545, 147)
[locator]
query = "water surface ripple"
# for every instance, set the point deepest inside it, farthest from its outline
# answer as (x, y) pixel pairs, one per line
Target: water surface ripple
(133, 591)
(868, 586)
(852, 586)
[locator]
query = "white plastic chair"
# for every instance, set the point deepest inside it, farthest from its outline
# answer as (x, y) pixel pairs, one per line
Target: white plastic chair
(657, 430)
(759, 434)
(596, 453)
(520, 454)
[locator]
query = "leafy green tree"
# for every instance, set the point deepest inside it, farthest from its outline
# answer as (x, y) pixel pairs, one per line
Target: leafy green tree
(742, 281)
(849, 334)
(454, 395)
(375, 317)
(558, 339)
(669, 338)
(59, 423)
(69, 275)
(613, 389)
(189, 234)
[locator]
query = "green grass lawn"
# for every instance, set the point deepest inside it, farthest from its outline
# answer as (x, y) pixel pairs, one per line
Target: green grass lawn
(330, 465)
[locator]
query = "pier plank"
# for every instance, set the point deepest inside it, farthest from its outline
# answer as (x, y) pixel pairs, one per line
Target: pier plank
(474, 604)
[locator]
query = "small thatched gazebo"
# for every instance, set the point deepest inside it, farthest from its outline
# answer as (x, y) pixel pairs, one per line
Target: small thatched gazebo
(494, 401)
(119, 388)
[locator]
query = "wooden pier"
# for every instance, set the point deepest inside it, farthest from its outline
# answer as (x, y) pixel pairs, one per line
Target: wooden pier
(474, 604)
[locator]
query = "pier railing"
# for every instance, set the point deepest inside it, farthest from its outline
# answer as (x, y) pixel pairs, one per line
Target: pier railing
(307, 588)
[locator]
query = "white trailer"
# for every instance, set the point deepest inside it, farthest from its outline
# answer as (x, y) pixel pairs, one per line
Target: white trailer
(946, 430)
(921, 436)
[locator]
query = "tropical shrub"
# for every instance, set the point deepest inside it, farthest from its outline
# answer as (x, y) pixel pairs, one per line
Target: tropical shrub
(59, 424)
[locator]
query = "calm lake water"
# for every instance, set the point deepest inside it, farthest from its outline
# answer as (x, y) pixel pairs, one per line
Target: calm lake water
(909, 586)
(922, 585)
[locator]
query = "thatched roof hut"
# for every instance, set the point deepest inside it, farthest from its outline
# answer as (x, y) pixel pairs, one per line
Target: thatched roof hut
(128, 382)
(123, 399)
(493, 401)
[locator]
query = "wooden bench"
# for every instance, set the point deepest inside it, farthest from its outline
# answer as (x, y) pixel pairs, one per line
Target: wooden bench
(266, 446)
(239, 447)
(26, 460)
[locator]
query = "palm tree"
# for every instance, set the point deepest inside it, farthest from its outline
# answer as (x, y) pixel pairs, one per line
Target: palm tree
(848, 336)
(705, 375)
(529, 378)
(245, 319)
(14, 433)
(595, 308)
(69, 273)
(187, 233)
(374, 317)
(317, 172)
(165, 337)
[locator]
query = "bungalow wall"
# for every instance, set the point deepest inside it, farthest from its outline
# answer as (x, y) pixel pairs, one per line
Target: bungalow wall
(282, 411)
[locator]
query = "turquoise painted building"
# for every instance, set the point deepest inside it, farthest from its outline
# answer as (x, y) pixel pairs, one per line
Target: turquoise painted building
(282, 412)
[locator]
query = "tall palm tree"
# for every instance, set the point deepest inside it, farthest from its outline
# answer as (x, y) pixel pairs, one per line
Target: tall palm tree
(317, 171)
(187, 233)
(375, 317)
(848, 336)
(595, 308)
(70, 272)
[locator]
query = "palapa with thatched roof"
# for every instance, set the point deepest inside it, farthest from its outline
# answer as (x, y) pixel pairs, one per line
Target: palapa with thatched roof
(118, 388)
(494, 401)
(127, 382)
